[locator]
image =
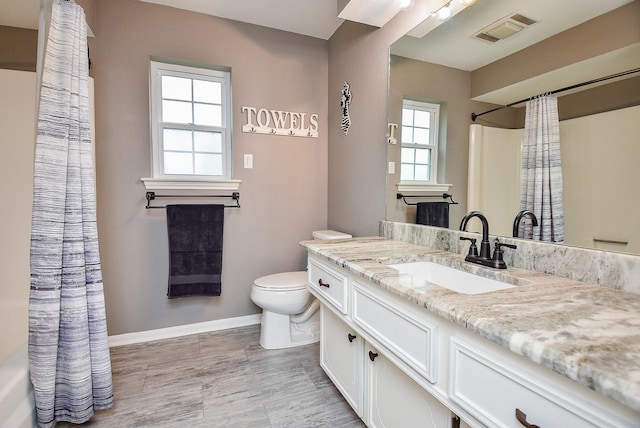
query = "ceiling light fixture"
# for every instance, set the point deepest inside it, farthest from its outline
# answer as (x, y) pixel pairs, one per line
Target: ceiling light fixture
(444, 12)
(428, 25)
(406, 4)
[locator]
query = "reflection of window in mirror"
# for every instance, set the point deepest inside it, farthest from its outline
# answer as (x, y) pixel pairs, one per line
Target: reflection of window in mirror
(419, 158)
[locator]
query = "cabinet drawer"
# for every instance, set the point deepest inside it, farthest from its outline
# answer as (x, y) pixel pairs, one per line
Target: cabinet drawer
(330, 284)
(411, 339)
(492, 390)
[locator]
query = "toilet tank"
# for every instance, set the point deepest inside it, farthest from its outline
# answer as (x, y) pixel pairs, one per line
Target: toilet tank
(329, 234)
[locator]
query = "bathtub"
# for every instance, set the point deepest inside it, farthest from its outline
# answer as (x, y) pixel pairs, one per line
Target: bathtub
(17, 407)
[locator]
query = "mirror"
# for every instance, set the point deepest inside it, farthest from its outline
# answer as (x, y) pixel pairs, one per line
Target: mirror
(447, 65)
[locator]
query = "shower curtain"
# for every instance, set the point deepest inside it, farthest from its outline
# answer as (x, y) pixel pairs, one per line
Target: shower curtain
(541, 174)
(69, 357)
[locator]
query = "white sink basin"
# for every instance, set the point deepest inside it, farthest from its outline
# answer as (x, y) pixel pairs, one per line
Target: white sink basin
(419, 274)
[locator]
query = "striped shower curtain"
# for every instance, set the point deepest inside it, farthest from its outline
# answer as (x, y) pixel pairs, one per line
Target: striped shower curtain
(68, 351)
(541, 173)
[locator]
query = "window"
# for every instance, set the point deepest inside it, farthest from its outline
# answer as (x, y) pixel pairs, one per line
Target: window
(419, 151)
(190, 122)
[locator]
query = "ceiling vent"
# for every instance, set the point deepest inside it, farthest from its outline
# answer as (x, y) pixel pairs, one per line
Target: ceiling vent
(505, 27)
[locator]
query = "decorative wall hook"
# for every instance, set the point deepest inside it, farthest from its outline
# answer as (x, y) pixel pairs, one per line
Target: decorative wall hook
(345, 100)
(390, 137)
(280, 122)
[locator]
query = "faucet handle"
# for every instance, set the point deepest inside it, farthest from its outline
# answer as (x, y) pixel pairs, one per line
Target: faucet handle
(473, 249)
(498, 253)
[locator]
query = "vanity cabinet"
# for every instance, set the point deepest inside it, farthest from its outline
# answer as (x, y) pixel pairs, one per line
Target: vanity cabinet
(379, 392)
(399, 365)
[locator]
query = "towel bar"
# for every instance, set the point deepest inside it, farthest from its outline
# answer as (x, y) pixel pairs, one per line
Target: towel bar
(152, 196)
(443, 196)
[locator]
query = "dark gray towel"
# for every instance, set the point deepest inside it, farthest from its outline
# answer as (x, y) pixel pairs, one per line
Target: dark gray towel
(433, 214)
(195, 249)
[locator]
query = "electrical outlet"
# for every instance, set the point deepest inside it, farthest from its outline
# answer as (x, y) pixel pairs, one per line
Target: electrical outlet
(248, 161)
(391, 168)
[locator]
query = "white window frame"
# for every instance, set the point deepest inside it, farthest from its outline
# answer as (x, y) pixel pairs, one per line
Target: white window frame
(434, 142)
(159, 179)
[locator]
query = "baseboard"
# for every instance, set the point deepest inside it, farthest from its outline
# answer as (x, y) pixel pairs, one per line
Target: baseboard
(183, 330)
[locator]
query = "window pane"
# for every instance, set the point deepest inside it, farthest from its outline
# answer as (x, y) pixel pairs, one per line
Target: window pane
(176, 112)
(176, 88)
(207, 142)
(407, 117)
(406, 172)
(206, 114)
(422, 172)
(178, 163)
(420, 136)
(176, 140)
(423, 156)
(208, 164)
(207, 92)
(422, 118)
(407, 155)
(407, 134)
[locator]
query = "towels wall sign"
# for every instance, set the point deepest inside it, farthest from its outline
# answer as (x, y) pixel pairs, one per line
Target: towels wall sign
(278, 122)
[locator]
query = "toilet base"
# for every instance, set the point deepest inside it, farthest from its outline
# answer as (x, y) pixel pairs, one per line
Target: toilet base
(277, 331)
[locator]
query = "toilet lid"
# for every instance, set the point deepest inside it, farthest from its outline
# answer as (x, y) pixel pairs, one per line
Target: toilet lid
(283, 281)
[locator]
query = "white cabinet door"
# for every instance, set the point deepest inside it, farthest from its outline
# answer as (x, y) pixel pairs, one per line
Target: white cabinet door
(341, 357)
(395, 400)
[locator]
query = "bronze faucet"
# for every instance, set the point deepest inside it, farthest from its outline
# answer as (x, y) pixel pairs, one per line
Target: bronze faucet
(484, 258)
(519, 216)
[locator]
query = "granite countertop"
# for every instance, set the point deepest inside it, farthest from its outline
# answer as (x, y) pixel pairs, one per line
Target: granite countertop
(587, 333)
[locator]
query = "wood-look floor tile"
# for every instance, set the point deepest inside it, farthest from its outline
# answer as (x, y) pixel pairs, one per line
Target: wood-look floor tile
(221, 379)
(321, 407)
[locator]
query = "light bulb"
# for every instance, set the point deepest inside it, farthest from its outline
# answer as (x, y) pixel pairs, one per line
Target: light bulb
(406, 4)
(467, 2)
(444, 12)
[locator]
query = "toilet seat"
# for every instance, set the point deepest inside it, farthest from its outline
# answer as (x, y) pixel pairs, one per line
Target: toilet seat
(286, 281)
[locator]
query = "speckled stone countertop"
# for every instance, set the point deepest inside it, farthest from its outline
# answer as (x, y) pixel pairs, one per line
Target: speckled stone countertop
(587, 333)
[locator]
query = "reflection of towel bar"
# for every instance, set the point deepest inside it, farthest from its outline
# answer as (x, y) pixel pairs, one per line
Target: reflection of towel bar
(152, 196)
(610, 241)
(443, 196)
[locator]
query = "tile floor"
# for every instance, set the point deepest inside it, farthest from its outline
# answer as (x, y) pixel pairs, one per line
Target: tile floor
(221, 379)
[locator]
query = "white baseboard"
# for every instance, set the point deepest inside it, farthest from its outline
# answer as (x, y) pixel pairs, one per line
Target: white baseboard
(183, 330)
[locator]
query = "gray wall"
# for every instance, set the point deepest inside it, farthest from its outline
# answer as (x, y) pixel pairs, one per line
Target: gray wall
(359, 55)
(283, 197)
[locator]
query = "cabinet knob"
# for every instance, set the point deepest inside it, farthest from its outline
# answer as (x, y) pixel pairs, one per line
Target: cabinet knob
(522, 418)
(350, 337)
(372, 355)
(322, 284)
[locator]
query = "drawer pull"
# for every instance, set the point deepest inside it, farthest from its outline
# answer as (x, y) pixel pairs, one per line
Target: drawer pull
(372, 355)
(522, 418)
(455, 421)
(350, 337)
(322, 284)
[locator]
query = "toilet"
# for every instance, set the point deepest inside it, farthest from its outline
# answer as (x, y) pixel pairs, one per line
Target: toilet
(290, 315)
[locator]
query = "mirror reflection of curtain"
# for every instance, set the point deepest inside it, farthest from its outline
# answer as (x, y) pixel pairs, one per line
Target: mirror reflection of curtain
(541, 173)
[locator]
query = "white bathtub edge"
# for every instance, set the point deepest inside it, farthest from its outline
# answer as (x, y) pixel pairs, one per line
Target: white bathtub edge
(17, 405)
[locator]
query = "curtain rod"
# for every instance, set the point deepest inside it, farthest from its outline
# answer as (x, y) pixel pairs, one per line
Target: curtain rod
(474, 116)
